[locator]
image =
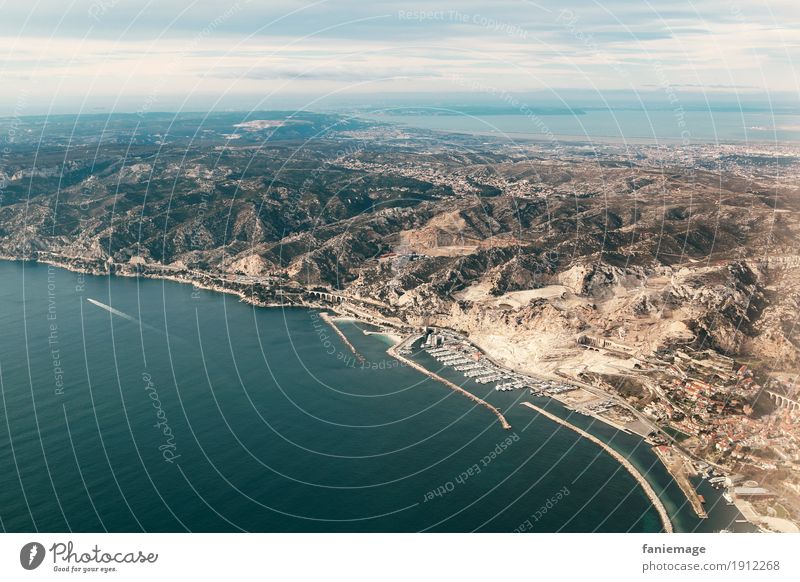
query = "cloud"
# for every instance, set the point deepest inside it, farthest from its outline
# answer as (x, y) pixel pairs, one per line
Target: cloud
(706, 86)
(335, 73)
(134, 48)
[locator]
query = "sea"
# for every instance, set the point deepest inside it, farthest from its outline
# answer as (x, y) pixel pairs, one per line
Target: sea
(132, 405)
(691, 126)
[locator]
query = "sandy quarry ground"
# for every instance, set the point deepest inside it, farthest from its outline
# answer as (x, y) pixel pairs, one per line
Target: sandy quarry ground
(543, 355)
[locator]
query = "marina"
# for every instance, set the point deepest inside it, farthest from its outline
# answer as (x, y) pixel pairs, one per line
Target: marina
(452, 351)
(395, 352)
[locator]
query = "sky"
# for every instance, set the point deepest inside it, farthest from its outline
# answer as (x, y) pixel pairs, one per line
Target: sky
(160, 55)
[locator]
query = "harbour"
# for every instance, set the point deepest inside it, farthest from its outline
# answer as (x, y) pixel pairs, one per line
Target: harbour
(271, 404)
(394, 351)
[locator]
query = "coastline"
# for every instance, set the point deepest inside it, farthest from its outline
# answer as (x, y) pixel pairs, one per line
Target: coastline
(589, 138)
(392, 337)
(340, 312)
(648, 489)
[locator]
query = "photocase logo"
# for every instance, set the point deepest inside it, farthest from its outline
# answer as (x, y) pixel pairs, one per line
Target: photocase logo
(31, 555)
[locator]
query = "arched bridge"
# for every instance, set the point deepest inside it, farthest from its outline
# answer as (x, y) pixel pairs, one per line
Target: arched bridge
(325, 296)
(783, 401)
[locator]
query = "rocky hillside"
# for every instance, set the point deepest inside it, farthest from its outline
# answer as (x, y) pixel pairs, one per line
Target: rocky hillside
(524, 248)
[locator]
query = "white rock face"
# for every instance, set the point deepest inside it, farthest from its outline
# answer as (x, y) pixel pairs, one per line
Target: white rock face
(252, 265)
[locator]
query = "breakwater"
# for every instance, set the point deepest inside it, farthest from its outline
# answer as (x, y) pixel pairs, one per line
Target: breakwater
(327, 319)
(394, 352)
(648, 489)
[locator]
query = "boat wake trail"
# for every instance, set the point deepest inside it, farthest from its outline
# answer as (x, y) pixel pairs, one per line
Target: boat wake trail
(111, 310)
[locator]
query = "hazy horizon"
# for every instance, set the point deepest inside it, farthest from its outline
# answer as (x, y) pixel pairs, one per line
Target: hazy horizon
(136, 56)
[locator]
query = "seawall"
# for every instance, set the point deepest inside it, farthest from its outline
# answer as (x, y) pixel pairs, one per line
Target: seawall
(648, 489)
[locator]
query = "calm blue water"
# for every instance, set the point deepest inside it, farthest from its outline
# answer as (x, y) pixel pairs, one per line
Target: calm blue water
(690, 126)
(197, 412)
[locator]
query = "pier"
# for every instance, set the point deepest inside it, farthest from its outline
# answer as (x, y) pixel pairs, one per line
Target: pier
(648, 489)
(676, 466)
(393, 351)
(327, 319)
